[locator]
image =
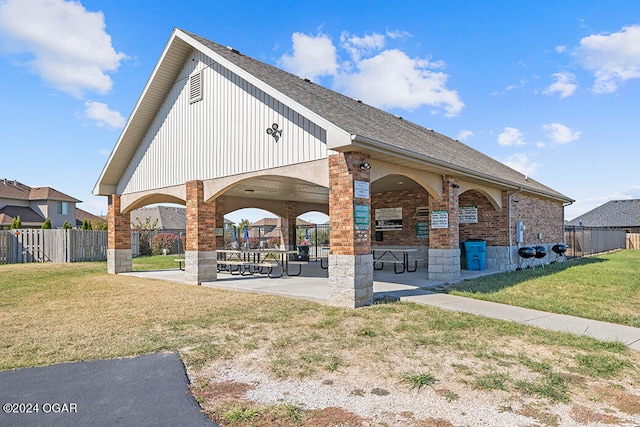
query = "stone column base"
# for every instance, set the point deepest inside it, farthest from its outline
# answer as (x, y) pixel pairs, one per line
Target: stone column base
(200, 266)
(350, 280)
(444, 265)
(118, 261)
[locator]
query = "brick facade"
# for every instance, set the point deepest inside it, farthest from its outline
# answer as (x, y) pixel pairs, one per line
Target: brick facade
(350, 261)
(445, 238)
(344, 169)
(119, 225)
(540, 216)
(492, 223)
(409, 201)
(201, 221)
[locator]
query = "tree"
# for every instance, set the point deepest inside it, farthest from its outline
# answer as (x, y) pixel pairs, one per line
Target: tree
(86, 224)
(145, 229)
(67, 226)
(47, 224)
(16, 223)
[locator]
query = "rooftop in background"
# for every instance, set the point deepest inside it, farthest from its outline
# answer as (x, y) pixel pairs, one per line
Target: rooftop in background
(13, 189)
(615, 213)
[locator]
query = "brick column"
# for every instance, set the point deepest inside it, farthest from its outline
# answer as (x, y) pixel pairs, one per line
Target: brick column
(200, 253)
(350, 259)
(288, 227)
(119, 238)
(444, 248)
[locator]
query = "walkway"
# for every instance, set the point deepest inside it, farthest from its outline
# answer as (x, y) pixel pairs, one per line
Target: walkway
(412, 287)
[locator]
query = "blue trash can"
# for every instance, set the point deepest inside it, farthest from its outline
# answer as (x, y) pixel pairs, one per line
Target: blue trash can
(475, 251)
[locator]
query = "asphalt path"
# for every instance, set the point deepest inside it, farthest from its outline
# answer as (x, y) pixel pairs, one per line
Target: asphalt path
(150, 390)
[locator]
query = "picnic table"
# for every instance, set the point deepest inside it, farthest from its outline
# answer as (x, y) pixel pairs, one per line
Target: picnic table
(263, 261)
(399, 257)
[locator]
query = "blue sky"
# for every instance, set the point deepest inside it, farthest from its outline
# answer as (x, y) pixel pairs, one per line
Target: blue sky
(551, 88)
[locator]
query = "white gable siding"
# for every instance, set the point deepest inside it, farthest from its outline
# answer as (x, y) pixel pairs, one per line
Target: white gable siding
(223, 134)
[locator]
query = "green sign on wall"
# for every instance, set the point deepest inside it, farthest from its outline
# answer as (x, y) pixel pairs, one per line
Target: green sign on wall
(422, 230)
(361, 216)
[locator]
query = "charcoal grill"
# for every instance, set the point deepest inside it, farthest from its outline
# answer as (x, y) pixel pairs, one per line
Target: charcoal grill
(560, 250)
(528, 254)
(541, 252)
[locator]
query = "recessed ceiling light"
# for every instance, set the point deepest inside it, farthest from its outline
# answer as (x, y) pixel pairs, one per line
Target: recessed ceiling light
(400, 182)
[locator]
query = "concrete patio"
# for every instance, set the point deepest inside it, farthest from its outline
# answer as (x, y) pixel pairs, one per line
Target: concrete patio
(312, 284)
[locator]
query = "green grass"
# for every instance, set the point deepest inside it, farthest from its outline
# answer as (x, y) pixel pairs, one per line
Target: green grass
(606, 288)
(52, 313)
(156, 262)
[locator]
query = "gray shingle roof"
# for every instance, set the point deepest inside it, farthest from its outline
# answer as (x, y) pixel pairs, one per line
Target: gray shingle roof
(358, 118)
(614, 213)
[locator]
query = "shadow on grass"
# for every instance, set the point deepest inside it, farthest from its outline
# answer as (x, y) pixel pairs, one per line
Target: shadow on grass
(497, 282)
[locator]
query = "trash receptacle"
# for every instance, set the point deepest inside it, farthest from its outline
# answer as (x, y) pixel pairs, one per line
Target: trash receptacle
(475, 254)
(303, 253)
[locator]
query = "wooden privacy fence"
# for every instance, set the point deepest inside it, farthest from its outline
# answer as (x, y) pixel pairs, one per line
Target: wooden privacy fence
(633, 240)
(35, 245)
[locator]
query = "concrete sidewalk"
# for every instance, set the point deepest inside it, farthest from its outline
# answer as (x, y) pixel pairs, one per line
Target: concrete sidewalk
(414, 287)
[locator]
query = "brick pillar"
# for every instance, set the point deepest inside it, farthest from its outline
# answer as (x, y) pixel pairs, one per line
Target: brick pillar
(288, 227)
(350, 259)
(119, 238)
(444, 248)
(200, 253)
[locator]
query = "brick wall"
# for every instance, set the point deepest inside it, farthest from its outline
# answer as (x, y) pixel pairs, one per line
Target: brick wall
(200, 219)
(445, 238)
(119, 225)
(539, 216)
(492, 222)
(344, 169)
(408, 200)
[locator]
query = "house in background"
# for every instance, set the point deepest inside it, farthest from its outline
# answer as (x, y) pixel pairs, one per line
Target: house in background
(34, 205)
(615, 214)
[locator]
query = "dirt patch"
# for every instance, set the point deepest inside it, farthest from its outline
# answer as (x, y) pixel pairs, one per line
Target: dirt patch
(541, 415)
(584, 415)
(623, 401)
(220, 392)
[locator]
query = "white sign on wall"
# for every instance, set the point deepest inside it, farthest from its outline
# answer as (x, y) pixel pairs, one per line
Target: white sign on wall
(439, 219)
(388, 219)
(361, 189)
(468, 215)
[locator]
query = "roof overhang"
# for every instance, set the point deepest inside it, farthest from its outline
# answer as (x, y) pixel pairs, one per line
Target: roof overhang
(382, 151)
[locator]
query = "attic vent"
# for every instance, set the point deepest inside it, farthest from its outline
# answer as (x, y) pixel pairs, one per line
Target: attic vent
(422, 213)
(195, 87)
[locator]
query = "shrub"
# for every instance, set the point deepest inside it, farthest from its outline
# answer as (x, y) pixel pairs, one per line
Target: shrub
(47, 224)
(16, 223)
(162, 241)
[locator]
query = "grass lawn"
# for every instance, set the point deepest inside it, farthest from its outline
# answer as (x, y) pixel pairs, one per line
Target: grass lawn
(606, 287)
(53, 313)
(156, 262)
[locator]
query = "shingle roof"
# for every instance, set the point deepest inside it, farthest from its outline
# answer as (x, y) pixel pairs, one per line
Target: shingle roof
(614, 213)
(12, 189)
(361, 119)
(169, 218)
(28, 217)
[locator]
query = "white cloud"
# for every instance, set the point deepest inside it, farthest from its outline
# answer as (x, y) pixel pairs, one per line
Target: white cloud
(511, 136)
(560, 134)
(67, 45)
(564, 85)
(357, 46)
(613, 58)
(103, 116)
(522, 164)
(464, 134)
(560, 49)
(399, 81)
(312, 57)
(383, 78)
